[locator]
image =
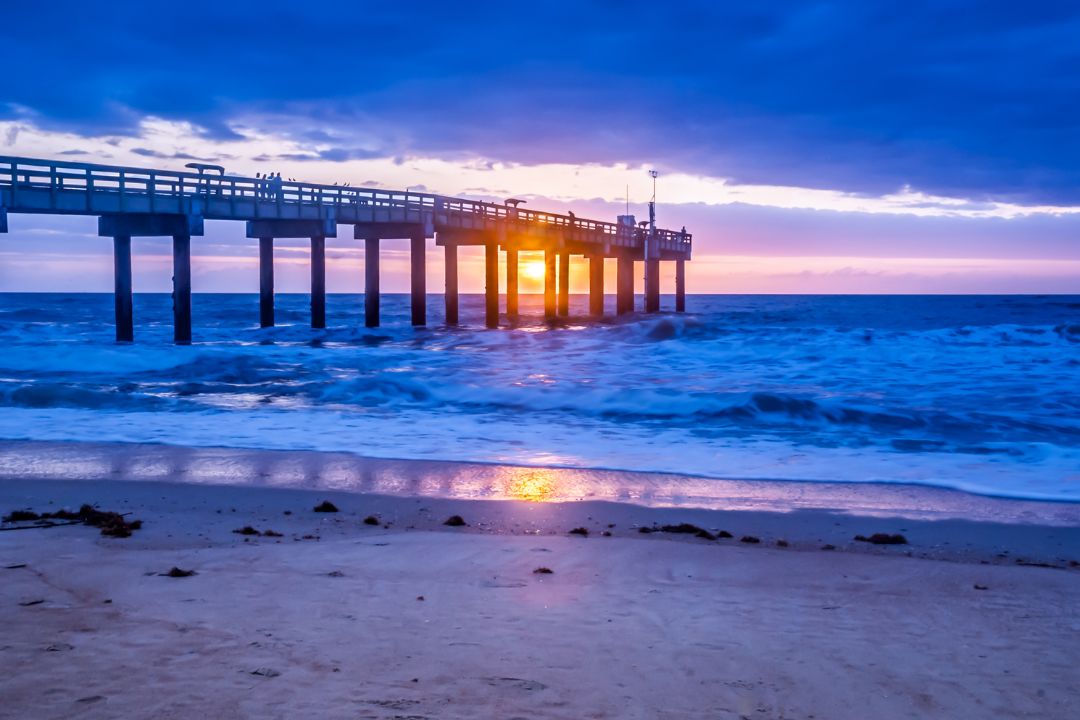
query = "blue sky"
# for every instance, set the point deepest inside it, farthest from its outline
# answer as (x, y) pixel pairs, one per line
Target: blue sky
(916, 146)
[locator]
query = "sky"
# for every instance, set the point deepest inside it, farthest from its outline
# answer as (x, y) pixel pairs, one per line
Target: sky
(845, 146)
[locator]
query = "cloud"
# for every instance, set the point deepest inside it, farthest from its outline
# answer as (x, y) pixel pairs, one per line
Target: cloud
(147, 152)
(974, 99)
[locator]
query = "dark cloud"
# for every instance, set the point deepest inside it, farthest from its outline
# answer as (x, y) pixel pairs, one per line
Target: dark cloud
(975, 98)
(148, 152)
(342, 154)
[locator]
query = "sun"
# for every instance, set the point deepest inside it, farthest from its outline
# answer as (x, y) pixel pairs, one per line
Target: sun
(533, 270)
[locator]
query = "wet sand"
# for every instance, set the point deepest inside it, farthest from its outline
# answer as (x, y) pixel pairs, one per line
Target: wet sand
(327, 621)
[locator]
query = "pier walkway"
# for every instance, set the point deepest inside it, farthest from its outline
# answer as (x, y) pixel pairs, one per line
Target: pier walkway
(136, 202)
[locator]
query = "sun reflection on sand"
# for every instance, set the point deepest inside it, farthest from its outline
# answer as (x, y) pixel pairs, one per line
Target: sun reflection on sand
(531, 484)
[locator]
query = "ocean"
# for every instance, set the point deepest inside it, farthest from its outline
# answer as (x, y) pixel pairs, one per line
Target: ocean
(978, 393)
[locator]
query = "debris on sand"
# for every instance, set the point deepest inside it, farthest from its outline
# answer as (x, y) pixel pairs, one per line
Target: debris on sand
(543, 571)
(28, 603)
(455, 521)
(680, 528)
(176, 572)
(981, 587)
(688, 529)
(21, 516)
(335, 573)
(750, 539)
(828, 546)
(646, 530)
(782, 543)
(606, 533)
(326, 506)
(248, 530)
(112, 524)
(583, 532)
(371, 520)
(265, 672)
(883, 539)
(1032, 563)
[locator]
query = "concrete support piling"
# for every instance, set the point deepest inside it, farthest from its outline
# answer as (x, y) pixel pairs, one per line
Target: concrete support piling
(680, 286)
(451, 295)
(182, 289)
(371, 282)
(417, 256)
(596, 285)
(318, 282)
(491, 284)
(125, 325)
(266, 282)
(652, 286)
(512, 284)
(549, 283)
(624, 286)
(564, 284)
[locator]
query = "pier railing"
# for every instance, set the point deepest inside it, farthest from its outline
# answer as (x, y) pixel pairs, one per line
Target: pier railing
(70, 187)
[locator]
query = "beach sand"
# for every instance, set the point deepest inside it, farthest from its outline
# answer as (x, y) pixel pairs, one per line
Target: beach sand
(412, 619)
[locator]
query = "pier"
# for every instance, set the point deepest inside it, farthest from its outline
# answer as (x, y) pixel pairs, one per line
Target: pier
(138, 202)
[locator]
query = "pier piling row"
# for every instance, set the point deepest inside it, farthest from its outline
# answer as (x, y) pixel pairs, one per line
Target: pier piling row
(134, 202)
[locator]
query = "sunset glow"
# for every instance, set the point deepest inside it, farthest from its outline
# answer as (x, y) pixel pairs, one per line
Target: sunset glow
(532, 270)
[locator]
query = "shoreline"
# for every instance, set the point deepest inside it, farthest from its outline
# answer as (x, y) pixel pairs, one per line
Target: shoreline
(306, 468)
(508, 500)
(336, 618)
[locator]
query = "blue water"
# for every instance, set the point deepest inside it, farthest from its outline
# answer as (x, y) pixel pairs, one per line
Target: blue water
(978, 393)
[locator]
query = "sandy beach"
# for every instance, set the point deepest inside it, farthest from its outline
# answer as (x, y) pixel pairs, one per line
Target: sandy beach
(409, 618)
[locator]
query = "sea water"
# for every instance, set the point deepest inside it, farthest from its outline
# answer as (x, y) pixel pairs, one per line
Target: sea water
(977, 393)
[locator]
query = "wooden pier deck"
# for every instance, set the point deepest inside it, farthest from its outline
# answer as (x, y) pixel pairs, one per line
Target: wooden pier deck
(136, 202)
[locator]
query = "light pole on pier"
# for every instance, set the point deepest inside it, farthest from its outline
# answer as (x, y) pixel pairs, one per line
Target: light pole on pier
(652, 254)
